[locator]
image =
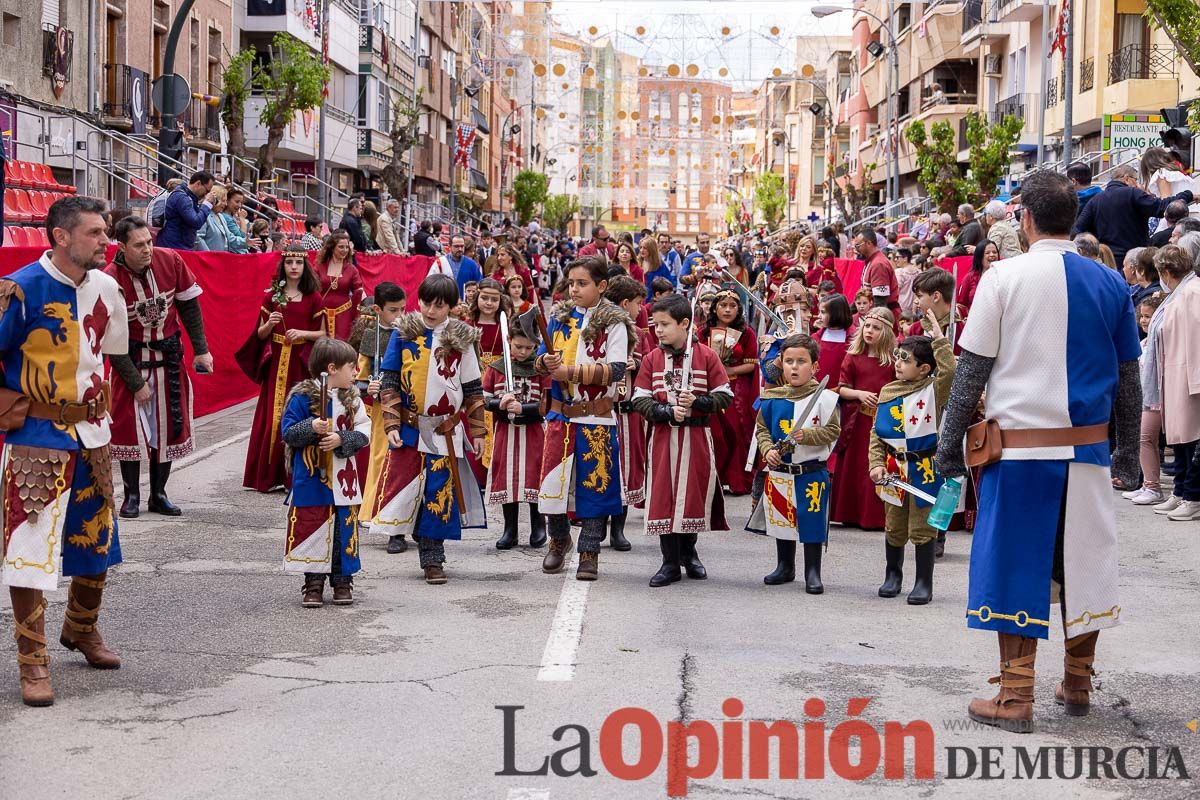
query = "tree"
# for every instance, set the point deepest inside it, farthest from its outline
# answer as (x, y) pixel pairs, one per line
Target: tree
(989, 154)
(937, 163)
(851, 197)
(235, 88)
(403, 134)
(293, 81)
(558, 210)
(529, 191)
(1180, 21)
(770, 196)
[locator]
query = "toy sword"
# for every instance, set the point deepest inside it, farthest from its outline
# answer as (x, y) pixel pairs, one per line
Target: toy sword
(326, 457)
(685, 376)
(896, 482)
(508, 362)
(766, 310)
(787, 444)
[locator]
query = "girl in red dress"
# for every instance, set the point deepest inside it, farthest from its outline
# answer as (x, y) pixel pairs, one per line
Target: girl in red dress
(627, 260)
(736, 345)
(836, 328)
(514, 287)
(868, 366)
(510, 262)
(276, 357)
(341, 285)
(484, 314)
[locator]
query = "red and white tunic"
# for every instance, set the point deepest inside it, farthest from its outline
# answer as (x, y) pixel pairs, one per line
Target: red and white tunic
(684, 487)
(515, 471)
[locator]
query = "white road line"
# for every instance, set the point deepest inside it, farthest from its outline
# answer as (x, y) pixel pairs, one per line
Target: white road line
(558, 659)
(204, 453)
(523, 793)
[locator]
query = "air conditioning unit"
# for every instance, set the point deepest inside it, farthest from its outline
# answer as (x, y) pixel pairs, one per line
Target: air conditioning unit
(992, 65)
(423, 62)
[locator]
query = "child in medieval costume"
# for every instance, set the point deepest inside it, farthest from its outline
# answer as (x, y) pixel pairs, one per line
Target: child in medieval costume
(324, 425)
(629, 293)
(795, 433)
(484, 314)
(736, 346)
(679, 386)
(430, 374)
(903, 442)
(586, 357)
(517, 406)
(371, 335)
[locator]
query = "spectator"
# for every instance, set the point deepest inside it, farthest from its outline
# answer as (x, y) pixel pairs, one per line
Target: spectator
(878, 274)
(1184, 227)
(387, 234)
(694, 259)
(370, 224)
(422, 244)
(986, 254)
(461, 267)
(187, 208)
(260, 239)
(970, 235)
(1141, 273)
(1178, 362)
(1000, 230)
(669, 257)
(486, 247)
(906, 273)
(352, 224)
(831, 240)
(234, 217)
(917, 228)
(1081, 181)
(157, 208)
(653, 263)
(213, 235)
(1088, 246)
(1163, 176)
(1120, 215)
(1176, 212)
(599, 245)
(510, 262)
(312, 237)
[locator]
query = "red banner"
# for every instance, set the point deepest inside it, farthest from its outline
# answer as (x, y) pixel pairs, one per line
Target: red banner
(233, 290)
(850, 271)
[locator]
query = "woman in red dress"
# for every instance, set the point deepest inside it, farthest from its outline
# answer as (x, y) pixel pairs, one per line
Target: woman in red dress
(836, 328)
(868, 366)
(276, 357)
(733, 430)
(627, 260)
(341, 285)
(510, 262)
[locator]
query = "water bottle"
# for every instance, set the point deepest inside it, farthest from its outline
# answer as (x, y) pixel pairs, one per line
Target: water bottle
(944, 505)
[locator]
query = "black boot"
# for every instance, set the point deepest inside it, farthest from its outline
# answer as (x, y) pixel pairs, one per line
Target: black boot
(691, 561)
(812, 568)
(785, 568)
(894, 575)
(397, 544)
(669, 571)
(537, 526)
(131, 475)
(509, 538)
(940, 549)
(159, 473)
(922, 591)
(617, 528)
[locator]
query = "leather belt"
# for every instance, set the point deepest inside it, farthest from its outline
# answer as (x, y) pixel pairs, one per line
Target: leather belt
(587, 408)
(1054, 437)
(625, 406)
(412, 420)
(915, 455)
(801, 469)
(690, 422)
(73, 413)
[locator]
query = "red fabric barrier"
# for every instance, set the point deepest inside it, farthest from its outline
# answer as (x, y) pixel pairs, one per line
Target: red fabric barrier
(850, 271)
(964, 266)
(233, 290)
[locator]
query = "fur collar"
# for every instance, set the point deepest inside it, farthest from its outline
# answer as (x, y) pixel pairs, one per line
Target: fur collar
(603, 317)
(457, 335)
(790, 392)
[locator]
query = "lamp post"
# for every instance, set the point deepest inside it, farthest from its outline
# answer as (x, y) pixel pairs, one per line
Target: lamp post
(893, 189)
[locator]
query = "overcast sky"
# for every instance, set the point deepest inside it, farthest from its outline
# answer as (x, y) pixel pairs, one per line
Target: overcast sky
(690, 32)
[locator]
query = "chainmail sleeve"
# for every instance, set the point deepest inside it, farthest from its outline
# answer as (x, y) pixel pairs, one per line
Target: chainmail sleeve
(193, 323)
(1127, 418)
(123, 365)
(970, 378)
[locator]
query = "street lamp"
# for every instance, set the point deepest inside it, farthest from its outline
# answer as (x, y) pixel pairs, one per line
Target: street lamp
(893, 83)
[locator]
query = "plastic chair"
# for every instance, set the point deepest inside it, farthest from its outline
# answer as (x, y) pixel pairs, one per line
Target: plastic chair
(15, 237)
(25, 169)
(39, 202)
(18, 201)
(37, 237)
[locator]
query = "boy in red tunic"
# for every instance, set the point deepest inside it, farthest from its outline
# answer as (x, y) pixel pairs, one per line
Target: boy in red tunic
(680, 384)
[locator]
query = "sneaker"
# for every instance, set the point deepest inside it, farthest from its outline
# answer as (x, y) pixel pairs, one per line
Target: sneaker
(1168, 505)
(1187, 510)
(1133, 494)
(1147, 497)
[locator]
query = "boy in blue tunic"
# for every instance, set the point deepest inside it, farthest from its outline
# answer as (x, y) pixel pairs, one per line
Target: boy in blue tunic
(321, 435)
(904, 441)
(796, 497)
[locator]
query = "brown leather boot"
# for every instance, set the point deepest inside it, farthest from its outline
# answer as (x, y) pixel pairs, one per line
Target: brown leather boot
(435, 575)
(343, 595)
(29, 613)
(1012, 708)
(79, 631)
(589, 567)
(314, 591)
(556, 556)
(1074, 693)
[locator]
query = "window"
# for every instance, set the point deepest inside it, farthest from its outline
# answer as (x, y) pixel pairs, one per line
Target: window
(903, 18)
(364, 86)
(694, 221)
(818, 170)
(158, 36)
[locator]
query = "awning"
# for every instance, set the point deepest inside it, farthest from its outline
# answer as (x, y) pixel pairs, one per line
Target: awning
(478, 180)
(480, 121)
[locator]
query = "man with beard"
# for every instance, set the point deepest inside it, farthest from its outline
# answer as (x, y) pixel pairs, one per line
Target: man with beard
(59, 317)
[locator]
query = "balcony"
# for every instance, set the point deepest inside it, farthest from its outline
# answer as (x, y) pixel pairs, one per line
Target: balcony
(1141, 62)
(936, 96)
(1055, 90)
(119, 99)
(1087, 74)
(203, 125)
(972, 15)
(1017, 10)
(1009, 107)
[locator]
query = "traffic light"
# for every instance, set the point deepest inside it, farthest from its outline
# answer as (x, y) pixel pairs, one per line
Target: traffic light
(1178, 137)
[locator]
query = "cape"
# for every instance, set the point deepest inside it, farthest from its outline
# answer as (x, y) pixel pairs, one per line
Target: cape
(458, 335)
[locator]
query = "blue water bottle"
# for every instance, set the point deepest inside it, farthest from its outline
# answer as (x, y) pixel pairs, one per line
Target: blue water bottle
(944, 505)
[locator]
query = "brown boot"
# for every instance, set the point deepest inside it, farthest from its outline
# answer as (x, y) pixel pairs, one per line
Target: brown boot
(314, 591)
(435, 575)
(1012, 708)
(589, 567)
(79, 631)
(29, 612)
(556, 556)
(343, 595)
(1074, 693)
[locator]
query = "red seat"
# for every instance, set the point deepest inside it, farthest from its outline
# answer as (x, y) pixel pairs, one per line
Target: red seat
(10, 173)
(25, 169)
(15, 237)
(36, 177)
(16, 206)
(37, 237)
(40, 203)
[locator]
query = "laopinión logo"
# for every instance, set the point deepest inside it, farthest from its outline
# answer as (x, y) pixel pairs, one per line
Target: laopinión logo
(853, 750)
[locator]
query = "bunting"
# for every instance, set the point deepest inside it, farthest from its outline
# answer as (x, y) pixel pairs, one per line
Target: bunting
(1060, 29)
(464, 141)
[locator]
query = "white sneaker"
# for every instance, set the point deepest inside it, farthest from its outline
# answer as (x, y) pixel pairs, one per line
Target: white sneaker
(1132, 494)
(1187, 510)
(1147, 497)
(1168, 505)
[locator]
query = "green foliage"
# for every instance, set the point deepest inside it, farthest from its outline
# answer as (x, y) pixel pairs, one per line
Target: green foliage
(558, 210)
(235, 88)
(771, 198)
(529, 191)
(293, 81)
(937, 163)
(989, 153)
(1180, 21)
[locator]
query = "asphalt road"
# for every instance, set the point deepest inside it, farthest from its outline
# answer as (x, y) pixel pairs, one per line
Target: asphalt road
(231, 689)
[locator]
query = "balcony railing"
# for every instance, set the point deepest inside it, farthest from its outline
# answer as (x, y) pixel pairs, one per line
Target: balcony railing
(1141, 62)
(1087, 74)
(118, 92)
(972, 14)
(202, 121)
(937, 97)
(1054, 92)
(1009, 107)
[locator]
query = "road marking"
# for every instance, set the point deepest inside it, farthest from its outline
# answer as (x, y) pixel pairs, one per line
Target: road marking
(558, 659)
(522, 793)
(204, 453)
